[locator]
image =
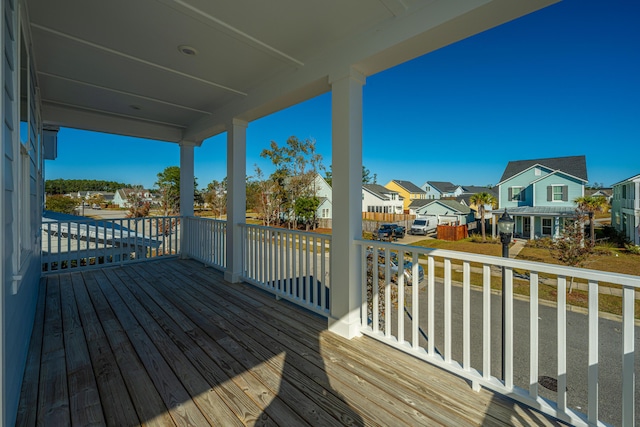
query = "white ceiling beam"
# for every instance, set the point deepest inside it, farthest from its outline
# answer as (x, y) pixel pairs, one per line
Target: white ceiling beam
(122, 92)
(81, 119)
(217, 24)
(111, 113)
(136, 59)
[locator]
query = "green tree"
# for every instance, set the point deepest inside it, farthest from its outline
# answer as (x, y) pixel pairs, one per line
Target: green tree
(591, 205)
(481, 200)
(571, 248)
(216, 196)
(168, 184)
(306, 208)
(61, 203)
(366, 176)
(297, 164)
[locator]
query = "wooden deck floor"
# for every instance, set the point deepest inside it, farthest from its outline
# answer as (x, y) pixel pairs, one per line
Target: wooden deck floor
(170, 342)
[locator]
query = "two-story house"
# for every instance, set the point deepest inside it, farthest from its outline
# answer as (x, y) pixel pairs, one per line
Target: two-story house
(440, 189)
(408, 190)
(625, 208)
(376, 198)
(541, 193)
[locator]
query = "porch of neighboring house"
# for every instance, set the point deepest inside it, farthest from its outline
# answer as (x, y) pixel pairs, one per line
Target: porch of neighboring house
(536, 222)
(170, 342)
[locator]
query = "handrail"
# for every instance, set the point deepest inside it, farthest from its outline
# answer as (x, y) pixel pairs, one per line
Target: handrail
(403, 324)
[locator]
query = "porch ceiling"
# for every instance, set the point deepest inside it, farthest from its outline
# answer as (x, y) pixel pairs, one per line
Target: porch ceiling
(116, 67)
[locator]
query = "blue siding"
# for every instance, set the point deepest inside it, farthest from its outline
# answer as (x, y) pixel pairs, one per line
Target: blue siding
(574, 190)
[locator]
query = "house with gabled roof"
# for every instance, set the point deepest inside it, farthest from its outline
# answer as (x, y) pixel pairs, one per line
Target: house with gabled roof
(625, 208)
(408, 190)
(446, 212)
(441, 189)
(470, 190)
(376, 198)
(540, 194)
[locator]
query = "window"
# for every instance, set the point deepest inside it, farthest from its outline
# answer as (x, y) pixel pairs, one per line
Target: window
(516, 193)
(557, 193)
(546, 226)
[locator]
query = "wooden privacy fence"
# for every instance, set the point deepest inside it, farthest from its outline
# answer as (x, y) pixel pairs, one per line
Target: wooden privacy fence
(452, 232)
(386, 217)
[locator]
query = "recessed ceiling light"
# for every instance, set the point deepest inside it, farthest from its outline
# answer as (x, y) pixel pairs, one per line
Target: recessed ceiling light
(188, 50)
(135, 107)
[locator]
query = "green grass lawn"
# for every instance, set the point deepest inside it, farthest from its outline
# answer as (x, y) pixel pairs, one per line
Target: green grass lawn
(608, 259)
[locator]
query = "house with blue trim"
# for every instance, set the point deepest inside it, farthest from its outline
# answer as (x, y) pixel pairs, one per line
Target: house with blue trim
(540, 194)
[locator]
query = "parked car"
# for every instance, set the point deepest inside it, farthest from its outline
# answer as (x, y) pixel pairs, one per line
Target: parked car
(393, 267)
(423, 226)
(390, 232)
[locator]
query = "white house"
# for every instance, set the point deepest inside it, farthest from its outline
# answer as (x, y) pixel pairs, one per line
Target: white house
(625, 208)
(121, 198)
(322, 191)
(376, 198)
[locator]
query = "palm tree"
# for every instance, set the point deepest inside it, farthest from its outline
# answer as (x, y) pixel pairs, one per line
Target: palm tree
(590, 205)
(481, 200)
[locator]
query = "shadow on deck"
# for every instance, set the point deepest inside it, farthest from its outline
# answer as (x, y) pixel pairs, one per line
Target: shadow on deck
(171, 343)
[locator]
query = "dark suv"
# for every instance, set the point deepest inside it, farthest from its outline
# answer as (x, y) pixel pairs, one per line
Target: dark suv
(390, 232)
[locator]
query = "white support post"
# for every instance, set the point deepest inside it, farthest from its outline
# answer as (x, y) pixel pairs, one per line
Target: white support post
(236, 196)
(186, 178)
(532, 227)
(347, 196)
(186, 190)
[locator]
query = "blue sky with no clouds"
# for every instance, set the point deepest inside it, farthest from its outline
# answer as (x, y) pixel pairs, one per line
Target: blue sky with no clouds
(562, 81)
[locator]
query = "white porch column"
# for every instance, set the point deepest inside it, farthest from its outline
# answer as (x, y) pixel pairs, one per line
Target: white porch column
(494, 224)
(186, 178)
(236, 196)
(346, 159)
(532, 227)
(556, 226)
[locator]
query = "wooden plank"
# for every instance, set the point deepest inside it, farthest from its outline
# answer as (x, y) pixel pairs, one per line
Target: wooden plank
(245, 410)
(245, 378)
(250, 341)
(53, 398)
(118, 408)
(26, 416)
(298, 402)
(181, 408)
(149, 405)
(382, 397)
(455, 391)
(84, 398)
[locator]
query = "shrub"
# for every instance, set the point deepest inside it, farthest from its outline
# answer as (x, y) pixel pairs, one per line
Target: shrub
(610, 234)
(61, 203)
(632, 249)
(544, 243)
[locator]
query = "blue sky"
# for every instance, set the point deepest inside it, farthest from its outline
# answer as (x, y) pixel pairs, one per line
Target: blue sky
(562, 81)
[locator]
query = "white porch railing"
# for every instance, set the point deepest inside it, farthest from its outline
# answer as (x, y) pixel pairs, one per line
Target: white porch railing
(205, 240)
(88, 243)
(457, 335)
(291, 264)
